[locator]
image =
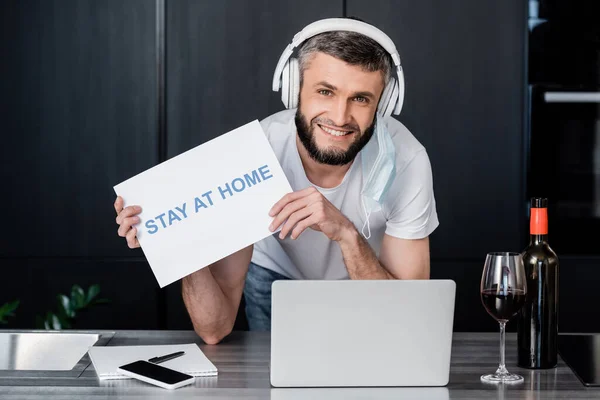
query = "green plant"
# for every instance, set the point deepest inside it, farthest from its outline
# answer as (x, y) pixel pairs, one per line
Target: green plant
(70, 307)
(8, 310)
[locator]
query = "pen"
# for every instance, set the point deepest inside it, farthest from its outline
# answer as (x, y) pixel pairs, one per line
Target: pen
(157, 360)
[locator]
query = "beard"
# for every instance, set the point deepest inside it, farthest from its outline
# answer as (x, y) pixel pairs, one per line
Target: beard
(330, 155)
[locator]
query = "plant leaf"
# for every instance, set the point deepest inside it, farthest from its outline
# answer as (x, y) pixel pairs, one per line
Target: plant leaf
(63, 319)
(12, 306)
(56, 322)
(92, 293)
(48, 320)
(8, 310)
(65, 323)
(64, 306)
(3, 313)
(68, 307)
(77, 297)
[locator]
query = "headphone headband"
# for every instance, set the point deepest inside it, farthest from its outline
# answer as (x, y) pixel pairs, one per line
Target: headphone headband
(350, 25)
(343, 24)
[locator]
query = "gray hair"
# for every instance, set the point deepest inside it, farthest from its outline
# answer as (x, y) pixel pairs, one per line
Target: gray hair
(351, 47)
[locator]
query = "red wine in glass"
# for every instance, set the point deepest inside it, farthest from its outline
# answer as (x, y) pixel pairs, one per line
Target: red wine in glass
(503, 305)
(503, 291)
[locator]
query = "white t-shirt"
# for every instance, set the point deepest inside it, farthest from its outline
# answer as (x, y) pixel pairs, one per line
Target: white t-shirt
(408, 210)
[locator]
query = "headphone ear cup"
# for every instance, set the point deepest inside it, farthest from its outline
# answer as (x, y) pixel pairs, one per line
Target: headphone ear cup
(285, 84)
(393, 98)
(385, 99)
(400, 100)
(294, 82)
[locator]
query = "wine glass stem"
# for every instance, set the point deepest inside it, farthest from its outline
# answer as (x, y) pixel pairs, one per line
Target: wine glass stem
(502, 366)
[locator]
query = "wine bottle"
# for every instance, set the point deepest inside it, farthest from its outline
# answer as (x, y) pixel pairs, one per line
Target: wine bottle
(537, 326)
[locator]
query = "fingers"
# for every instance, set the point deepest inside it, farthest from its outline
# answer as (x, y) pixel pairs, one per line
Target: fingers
(291, 203)
(126, 225)
(132, 240)
(128, 212)
(302, 225)
(288, 198)
(126, 218)
(288, 210)
(118, 205)
(293, 220)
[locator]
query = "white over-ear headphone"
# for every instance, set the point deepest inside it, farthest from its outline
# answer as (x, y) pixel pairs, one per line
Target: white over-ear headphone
(287, 72)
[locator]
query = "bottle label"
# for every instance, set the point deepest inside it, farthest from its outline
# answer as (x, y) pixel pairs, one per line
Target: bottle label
(538, 224)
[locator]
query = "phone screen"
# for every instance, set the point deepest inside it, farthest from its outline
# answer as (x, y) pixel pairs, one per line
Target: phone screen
(155, 372)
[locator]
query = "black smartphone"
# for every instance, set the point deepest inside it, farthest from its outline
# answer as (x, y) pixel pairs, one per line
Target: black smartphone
(155, 374)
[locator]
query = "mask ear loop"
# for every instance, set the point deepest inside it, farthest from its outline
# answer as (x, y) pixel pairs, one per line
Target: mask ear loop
(367, 214)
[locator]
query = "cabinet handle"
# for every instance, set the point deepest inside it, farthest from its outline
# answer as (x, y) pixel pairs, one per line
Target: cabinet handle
(572, 97)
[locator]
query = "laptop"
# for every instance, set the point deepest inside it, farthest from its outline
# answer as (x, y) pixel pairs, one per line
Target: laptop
(357, 333)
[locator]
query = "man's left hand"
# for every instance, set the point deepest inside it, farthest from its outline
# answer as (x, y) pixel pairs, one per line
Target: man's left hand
(308, 208)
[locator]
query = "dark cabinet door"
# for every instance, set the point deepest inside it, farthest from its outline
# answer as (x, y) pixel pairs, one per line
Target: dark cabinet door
(464, 65)
(78, 101)
(221, 56)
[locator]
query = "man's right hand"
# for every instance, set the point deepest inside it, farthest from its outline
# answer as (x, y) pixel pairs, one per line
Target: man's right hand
(126, 217)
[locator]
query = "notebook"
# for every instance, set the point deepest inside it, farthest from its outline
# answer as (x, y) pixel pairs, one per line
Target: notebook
(106, 359)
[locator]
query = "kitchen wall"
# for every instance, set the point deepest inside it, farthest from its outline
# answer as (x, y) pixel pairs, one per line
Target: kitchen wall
(91, 96)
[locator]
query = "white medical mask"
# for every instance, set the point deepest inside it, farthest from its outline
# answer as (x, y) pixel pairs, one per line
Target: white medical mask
(379, 170)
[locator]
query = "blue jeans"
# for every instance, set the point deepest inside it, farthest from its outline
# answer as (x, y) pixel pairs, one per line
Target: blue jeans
(257, 294)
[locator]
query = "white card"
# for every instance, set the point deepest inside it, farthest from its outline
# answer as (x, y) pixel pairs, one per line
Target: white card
(206, 203)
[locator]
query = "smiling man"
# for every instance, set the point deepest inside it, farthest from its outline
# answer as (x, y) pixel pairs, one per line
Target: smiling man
(329, 228)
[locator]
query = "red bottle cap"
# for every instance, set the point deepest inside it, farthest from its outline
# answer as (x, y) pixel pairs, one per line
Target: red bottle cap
(538, 222)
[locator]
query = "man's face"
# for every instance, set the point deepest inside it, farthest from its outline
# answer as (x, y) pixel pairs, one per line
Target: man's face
(340, 101)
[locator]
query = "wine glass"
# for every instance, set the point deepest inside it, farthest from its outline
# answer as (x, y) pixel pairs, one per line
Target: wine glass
(503, 292)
